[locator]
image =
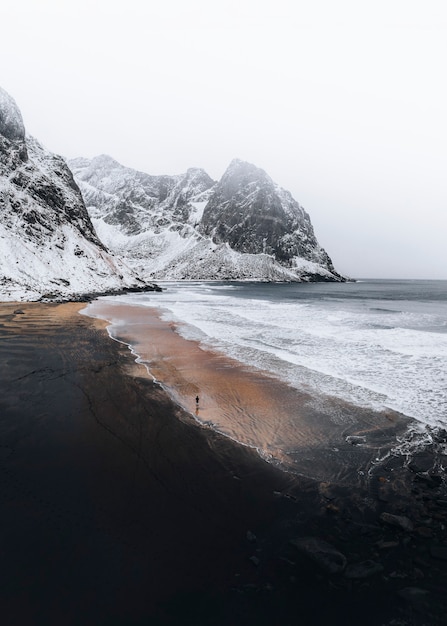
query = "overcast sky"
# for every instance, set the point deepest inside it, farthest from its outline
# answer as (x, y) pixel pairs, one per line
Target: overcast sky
(342, 102)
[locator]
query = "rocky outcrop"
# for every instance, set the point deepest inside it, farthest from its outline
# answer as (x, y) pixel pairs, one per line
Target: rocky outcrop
(328, 558)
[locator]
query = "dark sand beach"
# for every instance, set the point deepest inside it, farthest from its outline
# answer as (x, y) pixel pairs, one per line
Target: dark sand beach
(118, 508)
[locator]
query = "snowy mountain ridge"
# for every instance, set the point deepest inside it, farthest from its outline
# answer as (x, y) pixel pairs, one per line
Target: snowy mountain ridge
(139, 228)
(187, 226)
(48, 246)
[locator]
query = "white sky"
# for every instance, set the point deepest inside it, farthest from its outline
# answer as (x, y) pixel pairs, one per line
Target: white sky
(342, 102)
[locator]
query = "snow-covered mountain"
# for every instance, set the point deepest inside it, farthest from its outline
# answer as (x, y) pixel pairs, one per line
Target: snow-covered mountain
(190, 227)
(48, 246)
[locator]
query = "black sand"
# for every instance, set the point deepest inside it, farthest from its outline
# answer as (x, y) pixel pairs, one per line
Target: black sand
(116, 508)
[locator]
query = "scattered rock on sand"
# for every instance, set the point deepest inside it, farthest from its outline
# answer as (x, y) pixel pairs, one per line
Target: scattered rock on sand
(355, 440)
(386, 545)
(439, 435)
(322, 553)
(439, 552)
(431, 480)
(421, 462)
(400, 521)
(365, 569)
(413, 595)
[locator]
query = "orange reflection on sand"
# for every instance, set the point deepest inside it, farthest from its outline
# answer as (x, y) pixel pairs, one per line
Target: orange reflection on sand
(246, 404)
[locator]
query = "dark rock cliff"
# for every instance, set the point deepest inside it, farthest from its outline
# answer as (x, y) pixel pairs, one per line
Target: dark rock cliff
(253, 215)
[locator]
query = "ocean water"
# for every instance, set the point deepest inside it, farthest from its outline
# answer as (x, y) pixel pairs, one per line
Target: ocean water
(375, 343)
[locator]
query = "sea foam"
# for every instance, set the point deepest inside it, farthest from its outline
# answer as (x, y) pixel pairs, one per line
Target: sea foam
(340, 340)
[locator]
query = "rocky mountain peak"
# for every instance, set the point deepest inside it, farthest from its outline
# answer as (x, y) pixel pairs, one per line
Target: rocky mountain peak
(12, 132)
(253, 215)
(199, 178)
(11, 122)
(240, 174)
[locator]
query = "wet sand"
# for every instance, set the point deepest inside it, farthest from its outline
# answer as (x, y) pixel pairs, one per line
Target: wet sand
(117, 508)
(252, 407)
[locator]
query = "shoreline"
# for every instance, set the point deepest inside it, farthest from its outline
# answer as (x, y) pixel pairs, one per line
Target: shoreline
(288, 427)
(118, 509)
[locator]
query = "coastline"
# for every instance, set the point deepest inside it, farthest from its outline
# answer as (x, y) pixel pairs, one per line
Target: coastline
(295, 430)
(118, 509)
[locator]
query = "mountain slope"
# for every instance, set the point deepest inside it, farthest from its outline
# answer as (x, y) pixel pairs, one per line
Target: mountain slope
(48, 246)
(188, 227)
(253, 215)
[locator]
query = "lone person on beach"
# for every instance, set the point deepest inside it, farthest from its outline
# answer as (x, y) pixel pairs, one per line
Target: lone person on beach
(197, 401)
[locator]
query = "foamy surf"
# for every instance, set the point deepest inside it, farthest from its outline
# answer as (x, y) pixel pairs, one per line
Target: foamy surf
(381, 345)
(285, 425)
